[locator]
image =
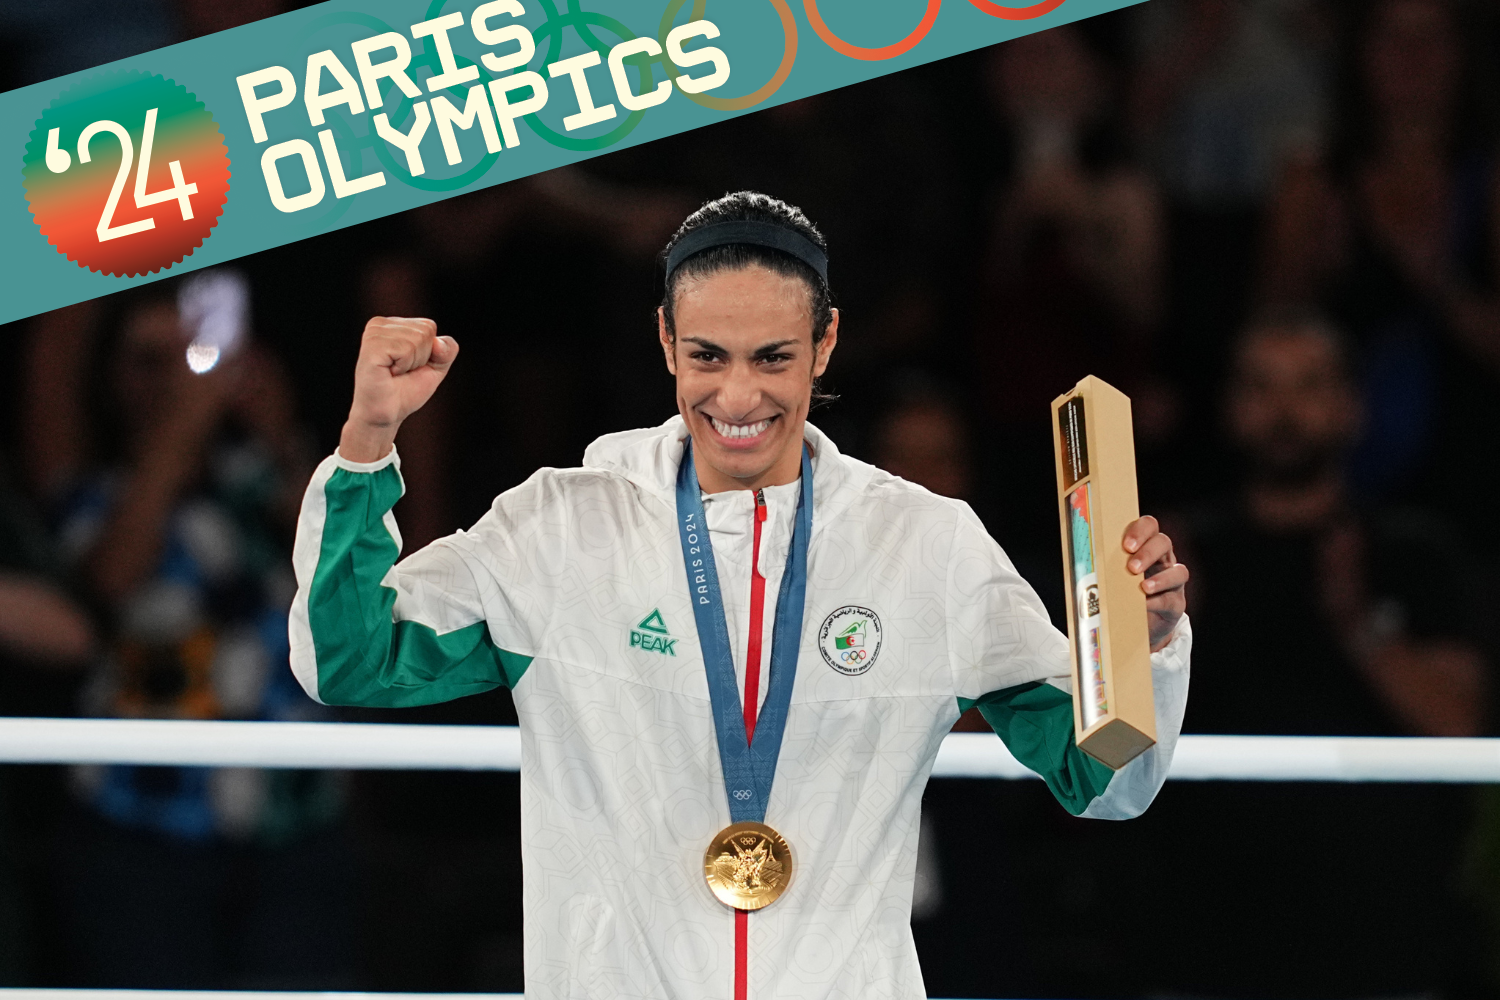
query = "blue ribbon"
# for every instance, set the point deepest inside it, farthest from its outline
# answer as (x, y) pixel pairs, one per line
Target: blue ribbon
(749, 768)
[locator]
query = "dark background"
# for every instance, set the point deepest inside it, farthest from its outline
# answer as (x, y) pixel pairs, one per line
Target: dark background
(1274, 223)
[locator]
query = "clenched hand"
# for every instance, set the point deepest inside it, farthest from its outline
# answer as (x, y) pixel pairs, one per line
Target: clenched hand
(401, 363)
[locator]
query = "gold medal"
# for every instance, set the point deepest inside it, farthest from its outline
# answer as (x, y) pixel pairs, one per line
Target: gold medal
(748, 866)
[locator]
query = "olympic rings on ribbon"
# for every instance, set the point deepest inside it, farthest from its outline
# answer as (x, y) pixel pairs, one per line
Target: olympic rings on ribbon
(750, 100)
(884, 52)
(1017, 13)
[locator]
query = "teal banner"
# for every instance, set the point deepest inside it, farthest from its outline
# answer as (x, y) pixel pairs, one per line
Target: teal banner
(199, 153)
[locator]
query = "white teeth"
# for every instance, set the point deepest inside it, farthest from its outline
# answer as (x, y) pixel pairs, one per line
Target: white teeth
(739, 430)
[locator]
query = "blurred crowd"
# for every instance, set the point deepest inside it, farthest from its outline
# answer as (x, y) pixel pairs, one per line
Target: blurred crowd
(1274, 223)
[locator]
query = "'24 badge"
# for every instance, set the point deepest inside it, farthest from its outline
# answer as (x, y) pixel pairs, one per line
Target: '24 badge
(126, 173)
(850, 639)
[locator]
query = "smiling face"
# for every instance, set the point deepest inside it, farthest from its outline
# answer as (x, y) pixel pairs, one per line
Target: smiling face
(745, 362)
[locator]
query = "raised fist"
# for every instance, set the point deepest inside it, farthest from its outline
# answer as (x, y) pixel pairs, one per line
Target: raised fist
(401, 362)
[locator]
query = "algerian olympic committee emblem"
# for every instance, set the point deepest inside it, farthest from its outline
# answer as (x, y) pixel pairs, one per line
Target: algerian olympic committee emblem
(850, 639)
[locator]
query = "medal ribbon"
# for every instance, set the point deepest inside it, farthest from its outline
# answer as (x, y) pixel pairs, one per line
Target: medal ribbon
(749, 767)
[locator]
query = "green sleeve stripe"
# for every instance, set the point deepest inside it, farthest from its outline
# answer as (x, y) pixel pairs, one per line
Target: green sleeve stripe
(1035, 721)
(363, 657)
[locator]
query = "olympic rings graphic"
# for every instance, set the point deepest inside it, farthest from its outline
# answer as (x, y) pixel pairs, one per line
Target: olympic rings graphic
(750, 100)
(1017, 13)
(579, 20)
(885, 52)
(853, 655)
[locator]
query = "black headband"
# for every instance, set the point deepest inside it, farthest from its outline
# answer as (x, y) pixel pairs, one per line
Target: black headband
(761, 234)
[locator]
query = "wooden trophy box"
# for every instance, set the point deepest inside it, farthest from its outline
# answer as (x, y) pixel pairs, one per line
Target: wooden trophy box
(1114, 710)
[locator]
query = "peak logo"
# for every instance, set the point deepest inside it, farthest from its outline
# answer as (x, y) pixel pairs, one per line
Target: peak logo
(126, 173)
(653, 636)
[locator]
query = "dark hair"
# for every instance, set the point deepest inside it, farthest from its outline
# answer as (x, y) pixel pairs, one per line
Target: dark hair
(750, 206)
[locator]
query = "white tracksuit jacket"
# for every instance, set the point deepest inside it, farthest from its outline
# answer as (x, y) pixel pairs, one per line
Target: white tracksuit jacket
(571, 591)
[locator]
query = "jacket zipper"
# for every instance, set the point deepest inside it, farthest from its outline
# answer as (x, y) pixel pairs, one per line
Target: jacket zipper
(757, 619)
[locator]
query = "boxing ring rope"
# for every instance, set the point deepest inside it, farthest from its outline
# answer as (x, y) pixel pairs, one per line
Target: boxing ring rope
(498, 748)
(350, 745)
(39, 994)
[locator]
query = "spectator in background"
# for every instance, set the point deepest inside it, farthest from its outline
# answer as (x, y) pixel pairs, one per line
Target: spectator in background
(1224, 94)
(184, 877)
(1382, 596)
(1374, 613)
(1395, 232)
(1072, 280)
(1074, 263)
